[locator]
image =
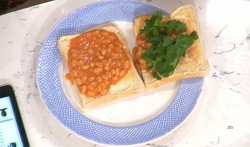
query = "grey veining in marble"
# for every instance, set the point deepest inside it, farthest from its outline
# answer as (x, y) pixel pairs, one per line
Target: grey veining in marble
(221, 117)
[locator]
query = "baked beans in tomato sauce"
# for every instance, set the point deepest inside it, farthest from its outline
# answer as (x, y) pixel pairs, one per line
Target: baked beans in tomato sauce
(141, 47)
(96, 60)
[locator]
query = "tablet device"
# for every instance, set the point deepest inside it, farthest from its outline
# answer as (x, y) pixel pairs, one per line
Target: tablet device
(12, 133)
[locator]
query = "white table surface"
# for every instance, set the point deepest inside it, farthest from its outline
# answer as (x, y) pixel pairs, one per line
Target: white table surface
(222, 115)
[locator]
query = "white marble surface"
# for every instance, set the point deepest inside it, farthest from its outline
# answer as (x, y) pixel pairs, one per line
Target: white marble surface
(221, 118)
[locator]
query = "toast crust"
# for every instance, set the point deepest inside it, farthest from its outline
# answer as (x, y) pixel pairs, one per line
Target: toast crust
(194, 64)
(130, 84)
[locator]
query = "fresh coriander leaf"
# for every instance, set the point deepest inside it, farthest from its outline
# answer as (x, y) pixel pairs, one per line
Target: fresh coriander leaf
(158, 59)
(194, 35)
(180, 27)
(155, 40)
(145, 56)
(156, 17)
(160, 51)
(174, 63)
(153, 24)
(183, 42)
(151, 64)
(161, 67)
(153, 17)
(171, 55)
(164, 68)
(155, 75)
(174, 25)
(167, 40)
(147, 29)
(157, 22)
(169, 72)
(166, 51)
(148, 22)
(159, 15)
(149, 52)
(155, 31)
(171, 68)
(149, 57)
(169, 26)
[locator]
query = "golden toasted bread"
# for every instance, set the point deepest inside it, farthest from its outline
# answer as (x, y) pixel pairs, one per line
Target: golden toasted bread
(194, 63)
(130, 84)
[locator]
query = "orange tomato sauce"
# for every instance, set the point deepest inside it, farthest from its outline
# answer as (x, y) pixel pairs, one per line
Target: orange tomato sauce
(96, 60)
(141, 47)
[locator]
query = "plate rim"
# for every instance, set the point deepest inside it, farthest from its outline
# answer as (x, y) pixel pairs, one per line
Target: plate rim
(91, 140)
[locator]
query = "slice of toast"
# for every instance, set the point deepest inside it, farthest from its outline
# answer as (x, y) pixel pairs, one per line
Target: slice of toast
(194, 63)
(130, 84)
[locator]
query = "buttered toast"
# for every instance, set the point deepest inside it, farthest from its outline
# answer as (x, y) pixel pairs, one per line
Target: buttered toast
(192, 64)
(169, 48)
(126, 83)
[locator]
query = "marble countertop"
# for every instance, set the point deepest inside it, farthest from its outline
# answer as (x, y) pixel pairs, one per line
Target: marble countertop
(221, 118)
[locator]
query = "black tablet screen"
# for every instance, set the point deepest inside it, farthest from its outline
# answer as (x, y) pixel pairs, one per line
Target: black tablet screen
(9, 132)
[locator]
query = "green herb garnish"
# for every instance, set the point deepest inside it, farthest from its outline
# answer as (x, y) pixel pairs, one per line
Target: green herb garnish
(166, 50)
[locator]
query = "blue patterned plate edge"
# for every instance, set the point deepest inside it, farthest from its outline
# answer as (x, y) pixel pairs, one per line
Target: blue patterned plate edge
(120, 141)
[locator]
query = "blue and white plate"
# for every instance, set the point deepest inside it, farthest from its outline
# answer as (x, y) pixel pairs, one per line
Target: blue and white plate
(130, 120)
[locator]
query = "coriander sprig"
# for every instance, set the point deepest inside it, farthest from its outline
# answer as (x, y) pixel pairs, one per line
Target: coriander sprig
(166, 51)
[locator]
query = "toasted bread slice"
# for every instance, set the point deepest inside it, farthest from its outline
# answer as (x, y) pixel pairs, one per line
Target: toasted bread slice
(130, 84)
(194, 63)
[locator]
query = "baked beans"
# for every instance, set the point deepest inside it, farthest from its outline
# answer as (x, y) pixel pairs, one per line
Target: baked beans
(96, 60)
(141, 47)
